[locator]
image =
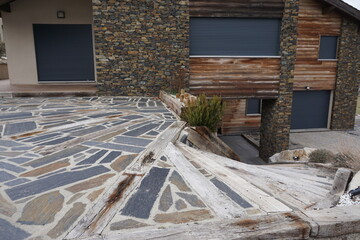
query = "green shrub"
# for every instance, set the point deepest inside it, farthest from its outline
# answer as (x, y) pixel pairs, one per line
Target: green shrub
(322, 156)
(204, 112)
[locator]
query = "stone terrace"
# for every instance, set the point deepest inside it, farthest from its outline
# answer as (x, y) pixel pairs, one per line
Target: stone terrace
(57, 156)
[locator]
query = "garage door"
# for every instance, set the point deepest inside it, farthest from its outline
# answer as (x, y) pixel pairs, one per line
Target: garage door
(310, 109)
(64, 52)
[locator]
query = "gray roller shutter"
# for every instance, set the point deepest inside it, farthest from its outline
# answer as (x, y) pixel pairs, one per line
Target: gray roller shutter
(234, 36)
(64, 52)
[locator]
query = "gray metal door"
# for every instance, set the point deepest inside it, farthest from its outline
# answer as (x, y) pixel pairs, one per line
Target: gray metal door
(310, 109)
(64, 52)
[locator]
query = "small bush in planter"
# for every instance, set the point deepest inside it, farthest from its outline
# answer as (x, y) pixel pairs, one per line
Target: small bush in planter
(204, 112)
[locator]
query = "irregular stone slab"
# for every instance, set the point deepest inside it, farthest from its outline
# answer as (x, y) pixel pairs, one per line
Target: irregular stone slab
(113, 146)
(54, 181)
(56, 156)
(20, 115)
(4, 176)
(111, 156)
(94, 195)
(180, 205)
(8, 143)
(179, 182)
(87, 131)
(183, 217)
(165, 125)
(105, 115)
(74, 198)
(93, 158)
(12, 168)
(127, 224)
(6, 208)
(42, 210)
(163, 158)
(132, 141)
(120, 164)
(17, 182)
(230, 193)
(132, 117)
(10, 232)
(141, 203)
(92, 183)
(43, 137)
(152, 133)
(69, 219)
(141, 130)
(166, 200)
(46, 169)
(56, 141)
(193, 200)
(15, 128)
(11, 154)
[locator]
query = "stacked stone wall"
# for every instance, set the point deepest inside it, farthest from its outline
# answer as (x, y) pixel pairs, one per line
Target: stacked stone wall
(348, 77)
(141, 46)
(276, 114)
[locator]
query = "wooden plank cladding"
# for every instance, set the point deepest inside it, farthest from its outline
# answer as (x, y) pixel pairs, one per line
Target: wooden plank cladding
(235, 77)
(237, 8)
(235, 120)
(309, 71)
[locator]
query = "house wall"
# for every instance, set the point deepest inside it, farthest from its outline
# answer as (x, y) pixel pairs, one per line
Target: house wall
(141, 46)
(309, 70)
(235, 120)
(18, 31)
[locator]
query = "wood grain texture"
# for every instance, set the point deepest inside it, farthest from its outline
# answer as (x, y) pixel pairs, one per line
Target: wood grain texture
(235, 77)
(235, 120)
(237, 8)
(309, 71)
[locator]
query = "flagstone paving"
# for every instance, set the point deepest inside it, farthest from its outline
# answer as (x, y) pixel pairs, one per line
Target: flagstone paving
(58, 155)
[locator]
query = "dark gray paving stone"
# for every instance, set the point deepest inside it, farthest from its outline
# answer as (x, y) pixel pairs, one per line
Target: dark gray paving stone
(73, 129)
(43, 137)
(166, 200)
(180, 205)
(15, 128)
(53, 173)
(193, 200)
(141, 105)
(21, 148)
(165, 125)
(152, 133)
(141, 203)
(111, 156)
(132, 117)
(12, 168)
(87, 131)
(92, 159)
(163, 158)
(17, 182)
(56, 113)
(132, 141)
(63, 123)
(153, 111)
(20, 115)
(118, 123)
(4, 176)
(143, 99)
(56, 156)
(56, 141)
(10, 232)
(105, 114)
(58, 180)
(9, 143)
(20, 160)
(140, 124)
(141, 130)
(230, 193)
(113, 146)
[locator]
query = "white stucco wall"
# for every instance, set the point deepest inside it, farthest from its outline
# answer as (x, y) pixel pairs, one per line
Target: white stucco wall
(18, 31)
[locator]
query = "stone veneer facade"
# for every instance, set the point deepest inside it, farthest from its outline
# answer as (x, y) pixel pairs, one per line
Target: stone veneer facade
(348, 77)
(276, 114)
(141, 46)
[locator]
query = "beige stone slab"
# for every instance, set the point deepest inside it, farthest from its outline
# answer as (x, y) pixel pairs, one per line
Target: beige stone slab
(92, 183)
(46, 169)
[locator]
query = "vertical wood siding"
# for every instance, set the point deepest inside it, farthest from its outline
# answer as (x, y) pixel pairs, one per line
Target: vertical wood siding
(235, 77)
(309, 71)
(235, 120)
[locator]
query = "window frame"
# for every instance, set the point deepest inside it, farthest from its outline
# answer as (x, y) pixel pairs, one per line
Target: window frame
(336, 52)
(247, 107)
